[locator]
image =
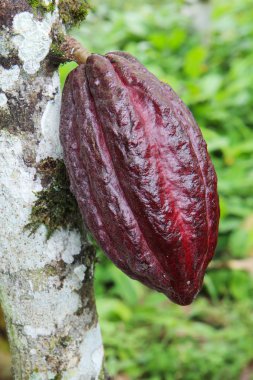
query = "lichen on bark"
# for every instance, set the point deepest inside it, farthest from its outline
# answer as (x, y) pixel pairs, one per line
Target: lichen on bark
(46, 278)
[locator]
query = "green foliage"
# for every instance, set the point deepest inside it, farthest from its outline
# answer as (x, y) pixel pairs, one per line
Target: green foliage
(65, 70)
(146, 336)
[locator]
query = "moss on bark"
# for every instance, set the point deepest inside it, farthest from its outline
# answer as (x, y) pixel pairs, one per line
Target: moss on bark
(41, 7)
(55, 206)
(73, 12)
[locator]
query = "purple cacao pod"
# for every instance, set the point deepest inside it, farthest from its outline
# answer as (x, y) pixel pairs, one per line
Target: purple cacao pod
(141, 174)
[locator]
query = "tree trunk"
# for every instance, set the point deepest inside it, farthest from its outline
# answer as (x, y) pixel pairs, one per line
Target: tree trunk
(46, 270)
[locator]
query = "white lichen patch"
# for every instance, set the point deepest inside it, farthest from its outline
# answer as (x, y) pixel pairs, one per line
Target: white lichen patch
(56, 306)
(63, 245)
(75, 280)
(32, 39)
(3, 100)
(80, 272)
(49, 145)
(4, 48)
(18, 186)
(43, 376)
(42, 312)
(35, 332)
(17, 180)
(8, 77)
(91, 357)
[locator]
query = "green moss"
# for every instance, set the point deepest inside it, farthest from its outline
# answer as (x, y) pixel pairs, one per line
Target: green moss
(55, 206)
(40, 6)
(56, 55)
(56, 51)
(58, 377)
(73, 12)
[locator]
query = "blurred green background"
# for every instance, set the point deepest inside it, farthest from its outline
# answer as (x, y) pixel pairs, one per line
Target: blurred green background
(205, 52)
(210, 65)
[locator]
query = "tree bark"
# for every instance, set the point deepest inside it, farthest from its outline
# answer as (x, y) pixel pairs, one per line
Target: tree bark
(46, 283)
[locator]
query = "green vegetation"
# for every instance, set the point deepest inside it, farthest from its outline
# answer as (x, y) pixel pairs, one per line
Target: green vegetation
(145, 335)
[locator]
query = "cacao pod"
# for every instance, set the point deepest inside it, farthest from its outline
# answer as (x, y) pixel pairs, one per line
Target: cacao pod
(141, 174)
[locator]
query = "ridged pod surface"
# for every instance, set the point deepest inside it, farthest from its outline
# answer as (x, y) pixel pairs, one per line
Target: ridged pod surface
(141, 174)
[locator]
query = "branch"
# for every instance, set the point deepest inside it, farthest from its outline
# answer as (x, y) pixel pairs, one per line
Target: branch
(74, 51)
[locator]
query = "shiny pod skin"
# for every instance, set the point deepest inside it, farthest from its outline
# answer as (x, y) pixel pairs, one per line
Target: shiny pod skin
(141, 174)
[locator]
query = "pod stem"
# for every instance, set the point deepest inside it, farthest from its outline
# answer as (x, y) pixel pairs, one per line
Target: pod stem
(74, 51)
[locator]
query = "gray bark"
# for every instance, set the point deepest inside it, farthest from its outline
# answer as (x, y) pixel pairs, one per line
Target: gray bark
(46, 285)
